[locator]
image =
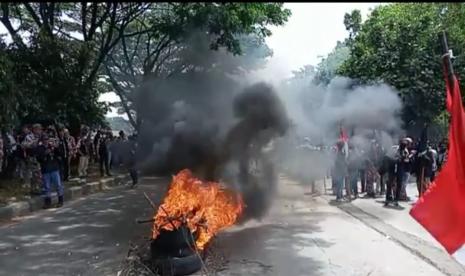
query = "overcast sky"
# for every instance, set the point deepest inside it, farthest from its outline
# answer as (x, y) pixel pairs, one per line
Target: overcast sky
(311, 32)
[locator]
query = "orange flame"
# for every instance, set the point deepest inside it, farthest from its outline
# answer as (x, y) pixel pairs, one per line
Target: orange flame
(206, 207)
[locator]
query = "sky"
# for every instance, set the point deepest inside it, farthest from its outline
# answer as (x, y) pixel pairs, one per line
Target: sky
(310, 33)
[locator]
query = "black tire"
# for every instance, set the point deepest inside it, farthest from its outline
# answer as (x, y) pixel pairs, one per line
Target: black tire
(179, 266)
(168, 242)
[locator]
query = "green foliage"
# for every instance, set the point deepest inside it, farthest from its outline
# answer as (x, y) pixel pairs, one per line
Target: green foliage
(176, 38)
(226, 20)
(51, 70)
(8, 97)
(398, 44)
(327, 68)
(54, 76)
(353, 22)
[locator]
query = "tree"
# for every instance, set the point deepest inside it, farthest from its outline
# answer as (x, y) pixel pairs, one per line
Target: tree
(398, 45)
(327, 68)
(9, 99)
(179, 36)
(353, 23)
(58, 49)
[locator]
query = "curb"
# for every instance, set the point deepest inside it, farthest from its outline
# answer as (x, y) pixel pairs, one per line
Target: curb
(23, 208)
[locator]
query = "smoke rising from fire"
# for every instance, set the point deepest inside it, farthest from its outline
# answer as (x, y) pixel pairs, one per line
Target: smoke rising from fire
(366, 112)
(213, 120)
(208, 120)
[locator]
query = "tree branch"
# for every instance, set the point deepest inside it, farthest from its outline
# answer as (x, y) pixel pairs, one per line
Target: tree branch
(136, 48)
(128, 60)
(7, 23)
(104, 46)
(84, 20)
(51, 15)
(120, 92)
(160, 47)
(33, 14)
(93, 19)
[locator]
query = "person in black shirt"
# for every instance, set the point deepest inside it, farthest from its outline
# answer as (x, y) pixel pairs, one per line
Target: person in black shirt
(104, 154)
(131, 160)
(63, 154)
(47, 155)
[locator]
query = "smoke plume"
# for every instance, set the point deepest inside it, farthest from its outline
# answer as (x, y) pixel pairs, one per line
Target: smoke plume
(214, 121)
(367, 113)
(209, 121)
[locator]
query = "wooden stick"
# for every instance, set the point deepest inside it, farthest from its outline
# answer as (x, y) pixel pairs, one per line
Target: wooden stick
(150, 201)
(145, 220)
(161, 207)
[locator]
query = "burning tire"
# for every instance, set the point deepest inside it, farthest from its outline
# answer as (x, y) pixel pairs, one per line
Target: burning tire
(178, 266)
(173, 253)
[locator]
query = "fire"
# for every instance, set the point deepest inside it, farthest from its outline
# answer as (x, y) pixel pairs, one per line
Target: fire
(206, 207)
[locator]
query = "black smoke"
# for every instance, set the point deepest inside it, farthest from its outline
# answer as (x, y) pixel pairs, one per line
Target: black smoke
(214, 126)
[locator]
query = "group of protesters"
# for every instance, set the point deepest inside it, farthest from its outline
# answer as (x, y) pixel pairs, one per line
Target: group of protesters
(383, 171)
(42, 157)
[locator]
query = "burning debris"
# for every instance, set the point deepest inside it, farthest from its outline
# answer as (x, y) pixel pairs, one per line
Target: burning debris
(191, 213)
(233, 157)
(204, 207)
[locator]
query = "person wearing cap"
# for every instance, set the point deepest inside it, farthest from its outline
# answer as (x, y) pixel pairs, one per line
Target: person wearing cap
(47, 154)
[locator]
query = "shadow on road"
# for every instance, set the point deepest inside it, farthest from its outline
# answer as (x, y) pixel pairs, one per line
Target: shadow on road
(86, 237)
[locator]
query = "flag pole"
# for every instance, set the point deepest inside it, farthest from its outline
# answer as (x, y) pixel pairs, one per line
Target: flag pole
(446, 59)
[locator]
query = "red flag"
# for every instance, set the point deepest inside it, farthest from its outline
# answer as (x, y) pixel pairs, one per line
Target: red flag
(441, 210)
(343, 135)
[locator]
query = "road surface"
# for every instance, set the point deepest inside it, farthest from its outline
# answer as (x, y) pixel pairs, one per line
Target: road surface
(302, 235)
(86, 237)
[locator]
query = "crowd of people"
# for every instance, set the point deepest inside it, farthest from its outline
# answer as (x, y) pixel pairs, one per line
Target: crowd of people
(42, 158)
(383, 171)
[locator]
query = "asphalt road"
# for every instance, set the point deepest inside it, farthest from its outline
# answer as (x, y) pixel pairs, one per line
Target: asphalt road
(89, 236)
(302, 235)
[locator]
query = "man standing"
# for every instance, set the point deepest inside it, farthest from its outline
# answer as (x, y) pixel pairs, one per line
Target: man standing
(30, 144)
(84, 148)
(47, 155)
(24, 173)
(353, 169)
(63, 151)
(442, 155)
(104, 154)
(402, 160)
(72, 149)
(390, 168)
(132, 160)
(340, 170)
